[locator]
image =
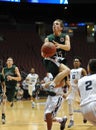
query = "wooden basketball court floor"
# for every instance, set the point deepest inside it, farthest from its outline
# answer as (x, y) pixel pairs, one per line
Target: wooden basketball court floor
(23, 117)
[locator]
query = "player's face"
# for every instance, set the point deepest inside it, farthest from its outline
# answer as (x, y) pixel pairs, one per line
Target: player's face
(56, 26)
(9, 61)
(76, 63)
(32, 70)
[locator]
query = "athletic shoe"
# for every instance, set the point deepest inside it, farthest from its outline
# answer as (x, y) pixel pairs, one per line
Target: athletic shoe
(3, 119)
(62, 124)
(84, 121)
(50, 90)
(71, 123)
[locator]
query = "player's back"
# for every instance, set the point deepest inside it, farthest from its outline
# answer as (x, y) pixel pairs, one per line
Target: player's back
(87, 88)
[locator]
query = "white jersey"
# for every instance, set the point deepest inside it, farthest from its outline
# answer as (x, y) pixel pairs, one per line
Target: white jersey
(87, 88)
(59, 91)
(48, 78)
(32, 78)
(75, 74)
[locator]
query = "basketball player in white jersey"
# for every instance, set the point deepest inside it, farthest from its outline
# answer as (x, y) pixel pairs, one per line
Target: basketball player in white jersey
(87, 91)
(75, 74)
(53, 105)
(32, 78)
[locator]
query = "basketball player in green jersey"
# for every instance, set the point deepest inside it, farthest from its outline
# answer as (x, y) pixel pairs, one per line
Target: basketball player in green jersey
(62, 43)
(60, 39)
(12, 76)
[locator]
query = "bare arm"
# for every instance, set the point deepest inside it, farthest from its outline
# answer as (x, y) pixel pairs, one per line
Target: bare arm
(84, 73)
(65, 46)
(3, 87)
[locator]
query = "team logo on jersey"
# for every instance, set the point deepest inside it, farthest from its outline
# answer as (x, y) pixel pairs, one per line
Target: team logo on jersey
(62, 39)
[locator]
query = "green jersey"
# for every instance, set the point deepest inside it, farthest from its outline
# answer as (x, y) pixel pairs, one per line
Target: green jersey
(11, 72)
(61, 40)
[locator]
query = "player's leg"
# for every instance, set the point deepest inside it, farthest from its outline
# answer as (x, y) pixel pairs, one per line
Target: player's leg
(59, 72)
(70, 99)
(33, 98)
(63, 72)
(3, 107)
(53, 105)
(71, 116)
(10, 93)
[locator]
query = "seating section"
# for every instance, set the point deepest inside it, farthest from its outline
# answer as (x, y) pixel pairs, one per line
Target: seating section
(23, 44)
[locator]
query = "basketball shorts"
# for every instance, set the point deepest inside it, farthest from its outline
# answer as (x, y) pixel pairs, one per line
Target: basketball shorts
(10, 93)
(53, 105)
(89, 112)
(51, 66)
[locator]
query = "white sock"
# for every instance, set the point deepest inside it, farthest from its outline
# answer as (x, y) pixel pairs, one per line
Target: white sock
(53, 84)
(71, 117)
(60, 119)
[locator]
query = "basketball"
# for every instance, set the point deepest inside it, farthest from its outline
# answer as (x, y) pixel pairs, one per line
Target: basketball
(48, 49)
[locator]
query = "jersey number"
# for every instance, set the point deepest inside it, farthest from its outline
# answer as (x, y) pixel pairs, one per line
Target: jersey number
(88, 85)
(73, 76)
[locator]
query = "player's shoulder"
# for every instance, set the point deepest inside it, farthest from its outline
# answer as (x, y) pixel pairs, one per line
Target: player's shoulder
(72, 70)
(50, 35)
(87, 77)
(36, 74)
(64, 34)
(93, 76)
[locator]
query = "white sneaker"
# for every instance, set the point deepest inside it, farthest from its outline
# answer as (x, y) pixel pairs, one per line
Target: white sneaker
(33, 104)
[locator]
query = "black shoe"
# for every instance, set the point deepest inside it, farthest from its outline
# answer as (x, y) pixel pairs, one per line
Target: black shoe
(71, 123)
(62, 126)
(50, 91)
(3, 119)
(84, 121)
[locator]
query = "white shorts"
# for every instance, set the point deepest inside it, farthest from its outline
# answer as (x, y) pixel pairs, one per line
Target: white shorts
(31, 88)
(53, 104)
(89, 112)
(74, 96)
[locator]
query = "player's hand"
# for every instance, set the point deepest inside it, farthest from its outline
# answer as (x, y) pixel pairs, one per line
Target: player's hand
(75, 81)
(64, 96)
(9, 77)
(56, 44)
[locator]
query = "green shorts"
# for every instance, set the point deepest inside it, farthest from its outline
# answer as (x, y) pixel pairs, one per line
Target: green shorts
(10, 93)
(51, 66)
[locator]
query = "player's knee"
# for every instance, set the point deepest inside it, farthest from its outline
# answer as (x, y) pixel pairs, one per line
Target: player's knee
(33, 94)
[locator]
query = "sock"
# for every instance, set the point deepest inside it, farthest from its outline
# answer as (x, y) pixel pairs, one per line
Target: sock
(60, 119)
(53, 84)
(71, 117)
